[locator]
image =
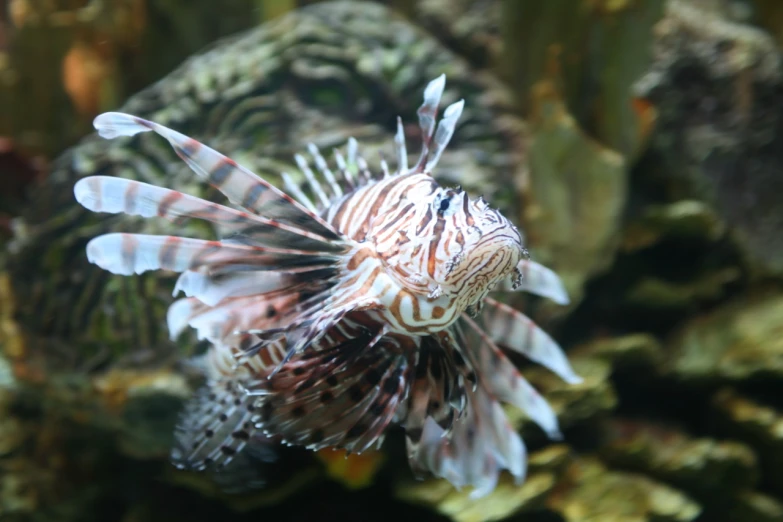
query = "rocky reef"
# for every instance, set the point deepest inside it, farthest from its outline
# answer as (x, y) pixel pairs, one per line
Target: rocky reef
(637, 142)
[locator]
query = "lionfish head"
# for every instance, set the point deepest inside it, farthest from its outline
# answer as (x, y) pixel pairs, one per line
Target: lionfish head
(481, 246)
(451, 245)
(443, 242)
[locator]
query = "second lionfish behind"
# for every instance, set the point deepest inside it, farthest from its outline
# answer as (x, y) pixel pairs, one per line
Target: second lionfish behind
(335, 315)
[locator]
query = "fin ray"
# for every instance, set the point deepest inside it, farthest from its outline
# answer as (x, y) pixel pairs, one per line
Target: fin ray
(135, 198)
(126, 254)
(504, 381)
(514, 330)
(240, 185)
(213, 428)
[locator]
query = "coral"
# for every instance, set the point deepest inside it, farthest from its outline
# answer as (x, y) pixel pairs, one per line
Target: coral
(717, 86)
(66, 60)
(470, 27)
(573, 403)
(577, 191)
(684, 219)
(621, 352)
(702, 466)
(508, 499)
(595, 493)
(738, 341)
(600, 48)
(758, 425)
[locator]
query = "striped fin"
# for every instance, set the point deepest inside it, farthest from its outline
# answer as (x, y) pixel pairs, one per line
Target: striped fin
(342, 166)
(449, 378)
(341, 396)
(214, 427)
(537, 279)
(237, 314)
(393, 392)
(444, 133)
(455, 352)
(315, 185)
(352, 150)
(481, 443)
(427, 114)
(435, 142)
(126, 254)
(336, 189)
(323, 169)
(240, 185)
(416, 418)
(213, 288)
(364, 169)
(307, 330)
(339, 415)
(179, 313)
(355, 162)
(337, 353)
(399, 148)
(297, 193)
(210, 290)
(436, 394)
(118, 195)
(260, 364)
(222, 360)
(514, 330)
(503, 380)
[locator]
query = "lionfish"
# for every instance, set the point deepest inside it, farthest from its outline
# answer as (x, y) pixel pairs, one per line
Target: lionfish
(335, 315)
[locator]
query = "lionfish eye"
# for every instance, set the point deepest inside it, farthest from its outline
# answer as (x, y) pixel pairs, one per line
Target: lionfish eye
(443, 203)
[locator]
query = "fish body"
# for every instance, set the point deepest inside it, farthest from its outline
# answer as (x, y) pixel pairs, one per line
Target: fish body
(342, 306)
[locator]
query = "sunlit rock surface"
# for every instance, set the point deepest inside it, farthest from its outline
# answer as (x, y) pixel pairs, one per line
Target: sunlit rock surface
(758, 425)
(592, 492)
(735, 342)
(696, 464)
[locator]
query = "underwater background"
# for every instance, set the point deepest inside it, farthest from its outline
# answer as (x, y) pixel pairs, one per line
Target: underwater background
(637, 143)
